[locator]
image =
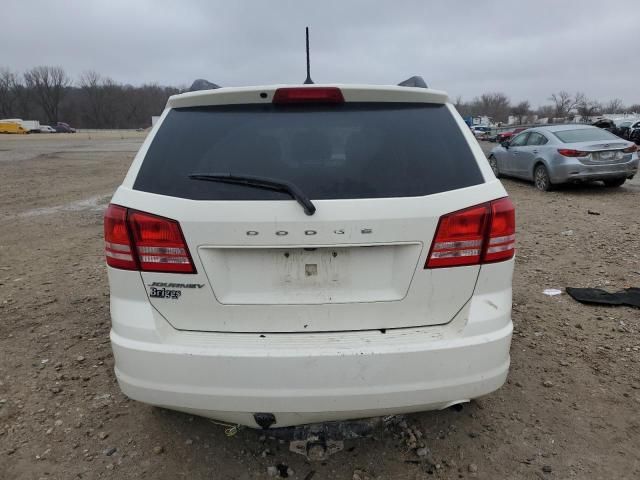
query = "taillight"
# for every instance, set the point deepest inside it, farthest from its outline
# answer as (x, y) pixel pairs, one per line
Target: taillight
(459, 238)
(308, 95)
(481, 234)
(501, 239)
(568, 152)
(159, 243)
(631, 149)
(153, 243)
(117, 244)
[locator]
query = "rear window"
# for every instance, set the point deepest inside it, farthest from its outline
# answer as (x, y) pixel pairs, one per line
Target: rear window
(352, 150)
(584, 135)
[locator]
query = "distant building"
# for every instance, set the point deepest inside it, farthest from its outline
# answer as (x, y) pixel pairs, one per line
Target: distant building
(522, 119)
(478, 120)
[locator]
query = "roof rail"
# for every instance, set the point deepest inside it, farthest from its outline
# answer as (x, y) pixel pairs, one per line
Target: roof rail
(202, 84)
(415, 81)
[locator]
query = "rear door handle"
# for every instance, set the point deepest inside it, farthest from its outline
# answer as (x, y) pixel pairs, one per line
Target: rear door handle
(535, 151)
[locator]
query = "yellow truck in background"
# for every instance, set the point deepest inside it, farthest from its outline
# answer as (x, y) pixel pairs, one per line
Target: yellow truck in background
(11, 127)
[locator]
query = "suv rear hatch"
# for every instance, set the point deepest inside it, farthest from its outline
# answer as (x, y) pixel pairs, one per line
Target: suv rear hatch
(381, 174)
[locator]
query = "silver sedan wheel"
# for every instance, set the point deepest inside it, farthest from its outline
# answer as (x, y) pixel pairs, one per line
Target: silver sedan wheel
(493, 163)
(541, 178)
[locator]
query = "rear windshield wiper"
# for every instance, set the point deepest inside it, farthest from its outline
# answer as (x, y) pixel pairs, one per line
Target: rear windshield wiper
(260, 182)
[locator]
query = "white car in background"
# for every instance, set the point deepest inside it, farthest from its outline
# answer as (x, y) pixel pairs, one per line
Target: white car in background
(481, 130)
(286, 255)
(47, 129)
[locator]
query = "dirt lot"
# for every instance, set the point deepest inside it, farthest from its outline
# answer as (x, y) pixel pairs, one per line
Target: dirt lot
(569, 409)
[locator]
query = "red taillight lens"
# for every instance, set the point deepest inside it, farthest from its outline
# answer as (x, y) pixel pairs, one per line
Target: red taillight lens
(484, 233)
(631, 149)
(159, 243)
(459, 237)
(308, 95)
(568, 152)
(501, 244)
(117, 244)
(142, 241)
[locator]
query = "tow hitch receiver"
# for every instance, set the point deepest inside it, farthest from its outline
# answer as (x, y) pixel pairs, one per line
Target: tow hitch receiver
(318, 441)
(315, 448)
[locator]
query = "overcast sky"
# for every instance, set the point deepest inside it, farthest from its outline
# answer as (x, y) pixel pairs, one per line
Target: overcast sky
(524, 49)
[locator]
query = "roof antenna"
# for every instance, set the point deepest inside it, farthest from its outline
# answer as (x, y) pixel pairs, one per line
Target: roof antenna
(308, 80)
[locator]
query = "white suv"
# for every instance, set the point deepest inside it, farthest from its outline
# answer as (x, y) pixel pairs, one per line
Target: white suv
(280, 256)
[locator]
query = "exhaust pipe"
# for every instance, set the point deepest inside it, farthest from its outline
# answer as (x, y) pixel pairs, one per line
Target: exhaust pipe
(456, 405)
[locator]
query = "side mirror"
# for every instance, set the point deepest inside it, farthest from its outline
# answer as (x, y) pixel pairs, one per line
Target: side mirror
(505, 144)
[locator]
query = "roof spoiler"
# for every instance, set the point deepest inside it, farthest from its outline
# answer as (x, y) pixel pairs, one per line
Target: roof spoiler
(415, 81)
(202, 84)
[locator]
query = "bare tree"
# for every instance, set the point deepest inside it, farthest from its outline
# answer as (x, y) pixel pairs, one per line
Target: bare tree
(546, 111)
(635, 108)
(495, 105)
(8, 92)
(613, 106)
(588, 108)
(48, 85)
(46, 93)
(521, 110)
(101, 96)
(462, 107)
(564, 103)
(579, 98)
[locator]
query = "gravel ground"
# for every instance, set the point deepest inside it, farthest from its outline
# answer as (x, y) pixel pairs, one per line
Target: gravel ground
(568, 410)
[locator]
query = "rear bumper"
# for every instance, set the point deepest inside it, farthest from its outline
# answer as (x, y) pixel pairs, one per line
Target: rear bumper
(307, 378)
(355, 381)
(573, 170)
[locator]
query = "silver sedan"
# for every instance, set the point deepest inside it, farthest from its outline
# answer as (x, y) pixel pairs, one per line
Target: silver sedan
(566, 154)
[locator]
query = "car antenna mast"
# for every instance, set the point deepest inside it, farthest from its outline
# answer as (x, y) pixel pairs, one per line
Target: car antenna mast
(308, 80)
